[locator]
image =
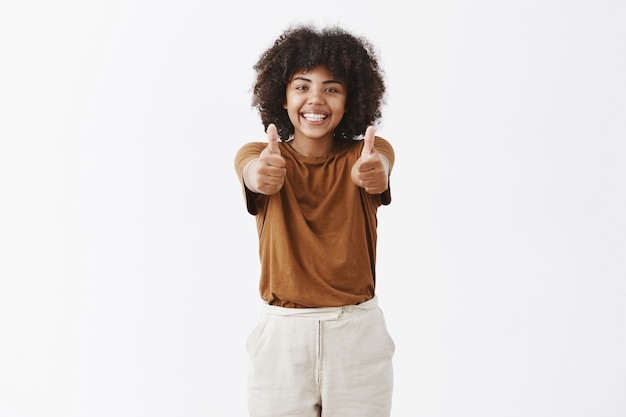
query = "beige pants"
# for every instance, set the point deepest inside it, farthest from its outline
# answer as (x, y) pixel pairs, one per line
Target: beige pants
(330, 362)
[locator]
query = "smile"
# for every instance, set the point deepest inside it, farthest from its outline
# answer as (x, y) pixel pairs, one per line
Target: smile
(314, 117)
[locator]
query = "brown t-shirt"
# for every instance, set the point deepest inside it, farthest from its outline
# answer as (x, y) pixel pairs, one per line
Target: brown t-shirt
(317, 236)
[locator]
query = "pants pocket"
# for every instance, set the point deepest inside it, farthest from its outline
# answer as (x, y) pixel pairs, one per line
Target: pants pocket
(382, 328)
(254, 334)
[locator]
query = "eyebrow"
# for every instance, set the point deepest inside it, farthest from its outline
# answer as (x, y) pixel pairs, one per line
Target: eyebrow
(325, 82)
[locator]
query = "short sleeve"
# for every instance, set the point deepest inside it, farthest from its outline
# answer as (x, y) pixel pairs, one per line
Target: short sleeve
(384, 147)
(246, 154)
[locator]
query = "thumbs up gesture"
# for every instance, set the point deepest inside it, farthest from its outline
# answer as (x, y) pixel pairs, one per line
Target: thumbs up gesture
(266, 174)
(370, 170)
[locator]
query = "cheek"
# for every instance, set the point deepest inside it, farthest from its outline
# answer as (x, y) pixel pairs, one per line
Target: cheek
(341, 107)
(289, 101)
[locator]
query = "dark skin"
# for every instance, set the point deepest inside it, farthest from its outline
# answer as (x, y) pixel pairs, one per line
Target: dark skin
(266, 174)
(350, 59)
(315, 102)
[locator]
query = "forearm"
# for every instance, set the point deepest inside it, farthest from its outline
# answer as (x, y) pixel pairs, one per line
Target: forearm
(248, 176)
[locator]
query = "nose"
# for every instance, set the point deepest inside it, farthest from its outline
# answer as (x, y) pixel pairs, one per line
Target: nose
(315, 96)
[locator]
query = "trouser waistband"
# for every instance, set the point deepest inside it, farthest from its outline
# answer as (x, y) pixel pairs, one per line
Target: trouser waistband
(322, 313)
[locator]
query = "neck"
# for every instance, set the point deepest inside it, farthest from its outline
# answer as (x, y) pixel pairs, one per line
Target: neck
(312, 147)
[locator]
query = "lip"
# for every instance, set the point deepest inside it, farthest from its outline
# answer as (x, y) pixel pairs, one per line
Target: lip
(314, 117)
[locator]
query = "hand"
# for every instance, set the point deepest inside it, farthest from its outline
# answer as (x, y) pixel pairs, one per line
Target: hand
(370, 171)
(266, 174)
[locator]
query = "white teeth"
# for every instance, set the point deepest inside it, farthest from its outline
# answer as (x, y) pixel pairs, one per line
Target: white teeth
(314, 117)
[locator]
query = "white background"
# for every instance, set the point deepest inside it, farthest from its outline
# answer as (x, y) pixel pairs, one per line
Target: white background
(128, 264)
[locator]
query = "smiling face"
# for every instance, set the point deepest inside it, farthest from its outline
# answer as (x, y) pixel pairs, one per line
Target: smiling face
(315, 103)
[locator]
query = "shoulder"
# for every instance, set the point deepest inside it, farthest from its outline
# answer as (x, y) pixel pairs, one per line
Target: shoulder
(248, 152)
(250, 149)
(383, 146)
(382, 143)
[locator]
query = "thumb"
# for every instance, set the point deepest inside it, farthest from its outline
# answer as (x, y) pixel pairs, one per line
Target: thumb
(368, 141)
(272, 139)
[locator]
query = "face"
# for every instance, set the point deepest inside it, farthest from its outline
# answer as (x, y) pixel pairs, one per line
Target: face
(315, 103)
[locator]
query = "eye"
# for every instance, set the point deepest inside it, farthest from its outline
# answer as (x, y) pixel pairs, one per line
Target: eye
(301, 87)
(331, 90)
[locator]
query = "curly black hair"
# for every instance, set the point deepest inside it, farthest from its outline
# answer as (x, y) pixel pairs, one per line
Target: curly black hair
(350, 58)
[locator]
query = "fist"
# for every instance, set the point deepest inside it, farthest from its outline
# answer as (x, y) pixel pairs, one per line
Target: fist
(266, 174)
(369, 171)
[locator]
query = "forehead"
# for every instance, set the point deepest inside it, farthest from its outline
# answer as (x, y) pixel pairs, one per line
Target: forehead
(317, 72)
